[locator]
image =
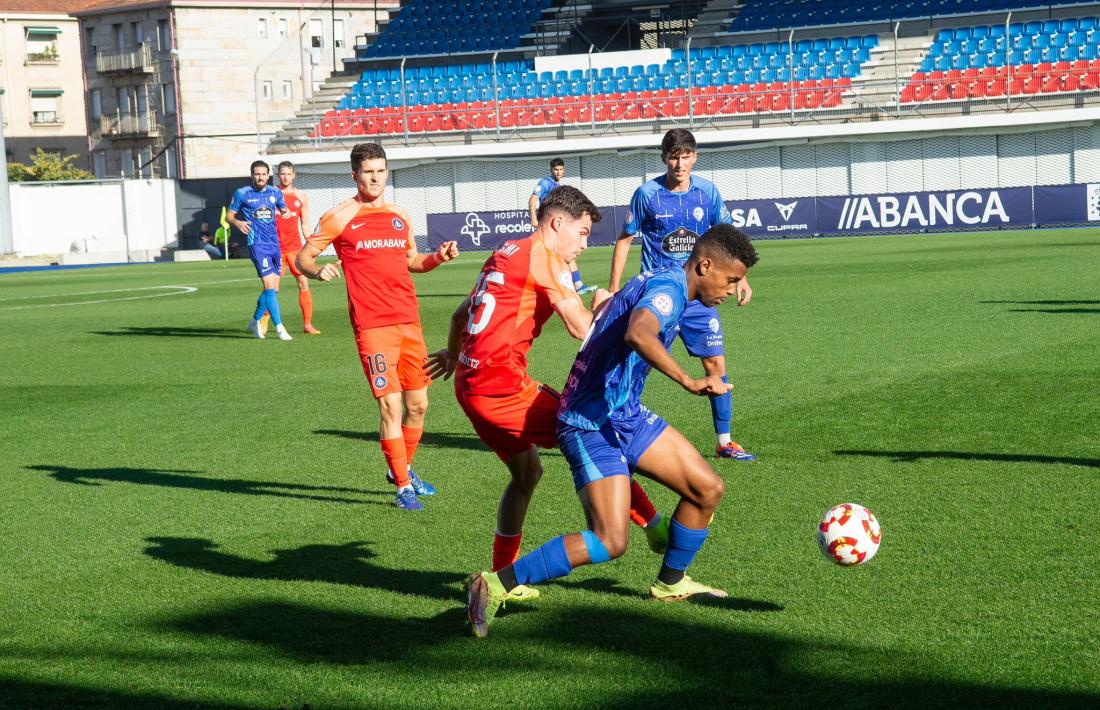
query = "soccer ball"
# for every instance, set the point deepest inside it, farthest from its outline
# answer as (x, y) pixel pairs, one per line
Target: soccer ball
(849, 534)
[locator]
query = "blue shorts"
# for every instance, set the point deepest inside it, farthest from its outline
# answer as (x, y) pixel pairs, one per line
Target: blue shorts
(701, 331)
(614, 450)
(266, 258)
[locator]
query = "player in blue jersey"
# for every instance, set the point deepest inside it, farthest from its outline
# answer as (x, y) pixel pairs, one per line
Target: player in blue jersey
(670, 212)
(544, 187)
(257, 204)
(607, 434)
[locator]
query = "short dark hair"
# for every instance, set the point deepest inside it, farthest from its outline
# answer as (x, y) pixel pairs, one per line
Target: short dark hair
(571, 201)
(727, 241)
(556, 162)
(258, 164)
(286, 164)
(677, 141)
(367, 151)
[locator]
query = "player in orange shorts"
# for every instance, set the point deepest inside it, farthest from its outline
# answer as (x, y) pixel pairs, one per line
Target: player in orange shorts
(521, 285)
(373, 240)
(291, 229)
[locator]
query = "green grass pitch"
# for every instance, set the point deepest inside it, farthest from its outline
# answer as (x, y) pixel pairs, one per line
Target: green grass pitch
(193, 518)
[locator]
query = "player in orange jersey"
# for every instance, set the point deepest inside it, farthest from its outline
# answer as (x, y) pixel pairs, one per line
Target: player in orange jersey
(291, 229)
(521, 286)
(374, 242)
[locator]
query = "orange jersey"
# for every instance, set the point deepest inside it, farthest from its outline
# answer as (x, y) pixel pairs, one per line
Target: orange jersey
(290, 239)
(514, 297)
(373, 244)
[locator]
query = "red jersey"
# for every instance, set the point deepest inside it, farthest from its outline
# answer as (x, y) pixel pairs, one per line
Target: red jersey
(513, 299)
(290, 239)
(373, 243)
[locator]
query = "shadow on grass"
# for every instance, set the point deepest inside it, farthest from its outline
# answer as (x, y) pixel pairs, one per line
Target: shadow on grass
(911, 456)
(19, 693)
(348, 564)
(185, 479)
(430, 438)
(1065, 309)
(675, 662)
(177, 332)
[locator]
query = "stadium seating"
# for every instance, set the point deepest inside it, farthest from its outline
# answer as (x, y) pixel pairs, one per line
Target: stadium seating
(1023, 59)
(456, 26)
(735, 79)
(758, 15)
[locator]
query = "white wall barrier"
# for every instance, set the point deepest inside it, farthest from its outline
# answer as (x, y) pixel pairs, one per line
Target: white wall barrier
(94, 222)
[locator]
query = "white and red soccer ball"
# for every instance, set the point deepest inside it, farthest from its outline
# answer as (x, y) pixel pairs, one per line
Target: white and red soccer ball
(849, 534)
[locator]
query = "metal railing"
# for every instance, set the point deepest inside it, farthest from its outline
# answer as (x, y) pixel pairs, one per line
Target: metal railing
(129, 124)
(139, 59)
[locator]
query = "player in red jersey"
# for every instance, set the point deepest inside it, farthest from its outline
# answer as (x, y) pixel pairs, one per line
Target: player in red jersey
(521, 286)
(291, 230)
(373, 240)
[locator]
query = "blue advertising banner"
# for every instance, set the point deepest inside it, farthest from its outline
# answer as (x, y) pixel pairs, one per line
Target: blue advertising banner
(775, 218)
(920, 211)
(482, 231)
(1067, 204)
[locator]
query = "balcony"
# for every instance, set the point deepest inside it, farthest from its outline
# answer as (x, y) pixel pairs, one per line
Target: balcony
(129, 125)
(46, 118)
(46, 56)
(137, 61)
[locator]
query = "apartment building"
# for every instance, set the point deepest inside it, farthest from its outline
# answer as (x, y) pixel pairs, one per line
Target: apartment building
(196, 88)
(41, 80)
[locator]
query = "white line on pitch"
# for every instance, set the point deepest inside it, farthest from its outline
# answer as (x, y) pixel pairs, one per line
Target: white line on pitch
(182, 290)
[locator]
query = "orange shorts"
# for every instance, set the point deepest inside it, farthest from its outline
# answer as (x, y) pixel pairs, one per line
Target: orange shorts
(510, 423)
(393, 358)
(289, 258)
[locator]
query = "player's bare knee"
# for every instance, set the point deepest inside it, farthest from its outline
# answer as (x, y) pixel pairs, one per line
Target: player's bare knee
(614, 541)
(711, 489)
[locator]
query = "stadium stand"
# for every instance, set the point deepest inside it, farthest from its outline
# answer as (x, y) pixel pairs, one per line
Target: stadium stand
(1021, 59)
(454, 27)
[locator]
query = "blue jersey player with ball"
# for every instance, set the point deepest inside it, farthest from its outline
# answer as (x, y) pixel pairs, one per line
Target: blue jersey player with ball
(607, 434)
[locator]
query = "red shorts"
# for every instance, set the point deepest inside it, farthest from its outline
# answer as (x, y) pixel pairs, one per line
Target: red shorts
(393, 358)
(289, 258)
(510, 423)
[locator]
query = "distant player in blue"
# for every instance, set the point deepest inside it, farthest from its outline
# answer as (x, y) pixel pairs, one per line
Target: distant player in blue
(670, 212)
(544, 187)
(257, 204)
(606, 433)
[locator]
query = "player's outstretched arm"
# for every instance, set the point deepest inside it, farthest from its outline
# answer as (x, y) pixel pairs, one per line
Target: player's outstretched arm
(618, 260)
(423, 263)
(577, 318)
(643, 336)
(442, 363)
(307, 264)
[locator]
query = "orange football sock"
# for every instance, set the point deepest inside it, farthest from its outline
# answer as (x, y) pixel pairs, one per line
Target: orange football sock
(412, 440)
(505, 549)
(641, 507)
(305, 300)
(394, 451)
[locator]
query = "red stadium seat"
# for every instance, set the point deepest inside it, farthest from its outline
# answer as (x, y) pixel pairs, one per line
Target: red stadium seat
(959, 90)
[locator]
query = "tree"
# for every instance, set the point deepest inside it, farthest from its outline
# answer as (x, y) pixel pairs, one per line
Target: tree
(47, 167)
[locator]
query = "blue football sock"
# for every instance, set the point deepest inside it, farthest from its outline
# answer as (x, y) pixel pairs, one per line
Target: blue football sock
(721, 411)
(261, 306)
(683, 545)
(577, 277)
(273, 306)
(543, 563)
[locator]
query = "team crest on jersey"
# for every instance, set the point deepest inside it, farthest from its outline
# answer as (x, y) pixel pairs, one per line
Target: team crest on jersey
(566, 280)
(271, 199)
(380, 382)
(714, 325)
(697, 213)
(398, 224)
(663, 304)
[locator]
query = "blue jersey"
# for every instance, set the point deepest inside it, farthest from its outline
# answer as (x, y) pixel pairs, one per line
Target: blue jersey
(258, 207)
(608, 376)
(545, 187)
(670, 222)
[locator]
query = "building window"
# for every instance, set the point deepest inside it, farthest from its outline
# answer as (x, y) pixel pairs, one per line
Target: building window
(42, 44)
(316, 33)
(145, 163)
(136, 33)
(169, 157)
(284, 27)
(116, 34)
(338, 34)
(96, 103)
(168, 98)
(267, 90)
(125, 105)
(261, 28)
(45, 107)
(89, 42)
(99, 164)
(126, 156)
(164, 38)
(288, 90)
